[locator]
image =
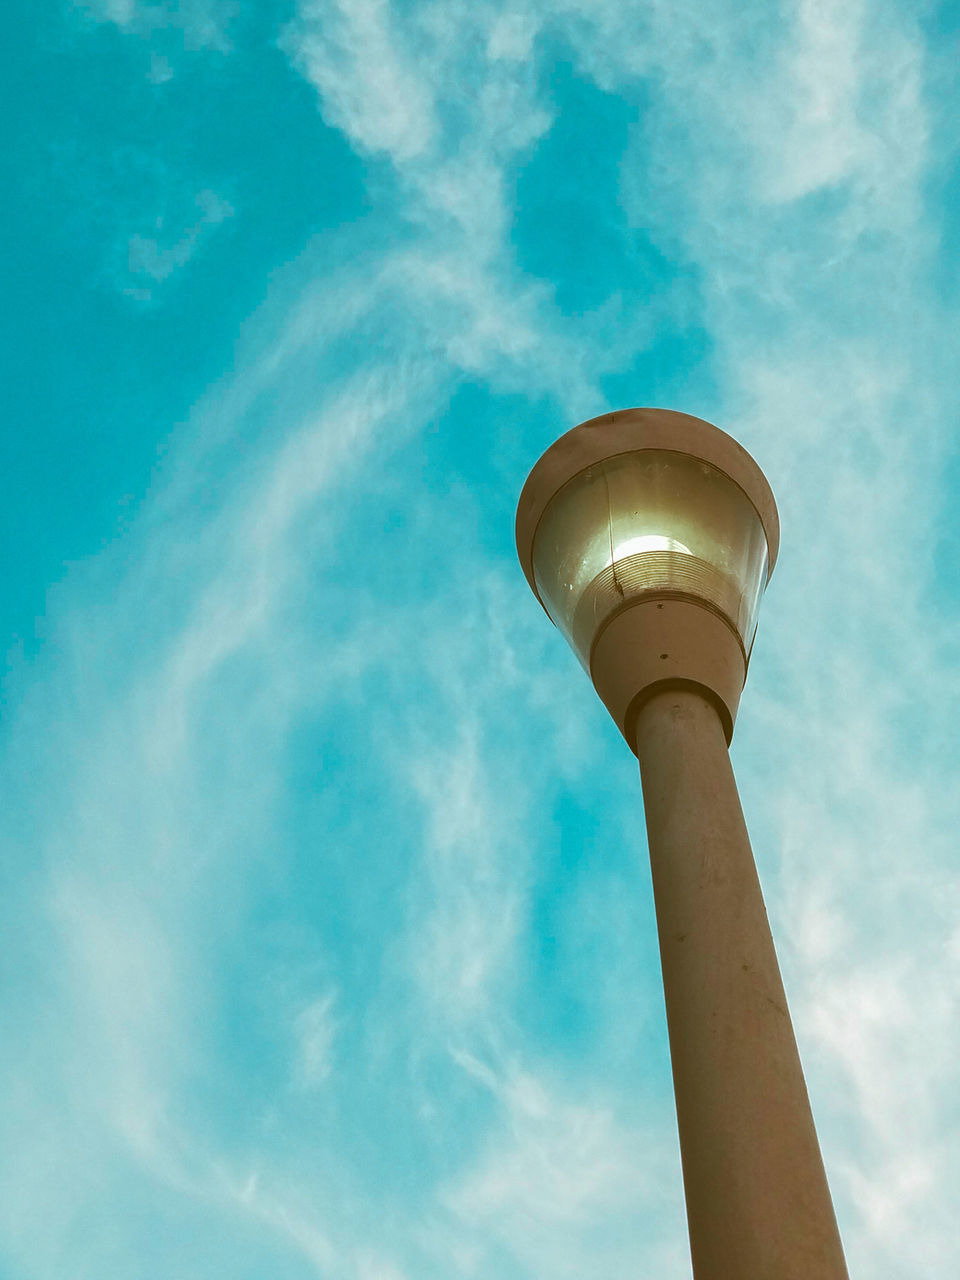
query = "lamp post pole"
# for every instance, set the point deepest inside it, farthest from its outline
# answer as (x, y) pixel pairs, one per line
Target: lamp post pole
(758, 1205)
(648, 536)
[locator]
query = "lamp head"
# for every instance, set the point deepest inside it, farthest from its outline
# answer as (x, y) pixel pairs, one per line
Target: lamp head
(649, 536)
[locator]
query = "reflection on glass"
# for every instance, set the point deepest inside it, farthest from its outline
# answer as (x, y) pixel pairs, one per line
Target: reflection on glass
(648, 522)
(647, 542)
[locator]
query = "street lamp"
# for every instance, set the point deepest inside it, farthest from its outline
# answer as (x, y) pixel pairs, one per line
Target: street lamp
(649, 536)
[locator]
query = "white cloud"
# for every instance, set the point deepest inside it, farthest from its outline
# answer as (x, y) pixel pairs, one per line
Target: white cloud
(467, 936)
(370, 83)
(567, 1189)
(394, 85)
(196, 24)
(372, 1268)
(153, 259)
(152, 841)
(315, 1030)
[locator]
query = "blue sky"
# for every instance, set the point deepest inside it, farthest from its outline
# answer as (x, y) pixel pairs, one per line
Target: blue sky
(329, 940)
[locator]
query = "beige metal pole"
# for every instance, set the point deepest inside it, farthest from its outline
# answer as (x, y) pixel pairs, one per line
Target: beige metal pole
(758, 1205)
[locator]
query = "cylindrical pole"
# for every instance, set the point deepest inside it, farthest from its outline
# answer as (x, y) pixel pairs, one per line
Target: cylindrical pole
(758, 1205)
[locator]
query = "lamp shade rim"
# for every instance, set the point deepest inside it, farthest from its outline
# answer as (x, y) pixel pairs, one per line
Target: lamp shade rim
(632, 431)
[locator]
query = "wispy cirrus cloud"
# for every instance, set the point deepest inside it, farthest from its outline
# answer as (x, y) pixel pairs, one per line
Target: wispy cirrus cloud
(152, 259)
(194, 24)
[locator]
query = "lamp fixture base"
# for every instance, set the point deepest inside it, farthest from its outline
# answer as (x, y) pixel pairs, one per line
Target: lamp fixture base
(661, 642)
